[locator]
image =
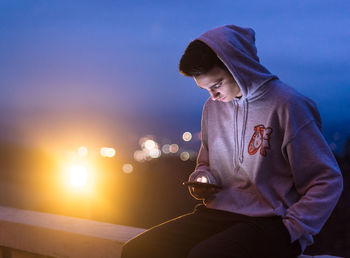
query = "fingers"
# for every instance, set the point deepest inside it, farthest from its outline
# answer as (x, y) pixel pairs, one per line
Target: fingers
(201, 192)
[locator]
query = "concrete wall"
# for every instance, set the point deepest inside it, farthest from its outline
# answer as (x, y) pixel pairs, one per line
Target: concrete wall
(31, 234)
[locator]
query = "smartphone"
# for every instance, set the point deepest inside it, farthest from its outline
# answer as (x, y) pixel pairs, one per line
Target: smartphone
(200, 184)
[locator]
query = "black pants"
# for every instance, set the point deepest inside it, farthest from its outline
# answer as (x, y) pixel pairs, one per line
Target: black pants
(210, 233)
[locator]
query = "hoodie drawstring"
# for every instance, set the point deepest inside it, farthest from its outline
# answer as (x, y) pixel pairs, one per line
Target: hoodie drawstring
(244, 127)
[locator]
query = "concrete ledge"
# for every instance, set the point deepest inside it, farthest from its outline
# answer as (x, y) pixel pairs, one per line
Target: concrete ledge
(49, 235)
(61, 236)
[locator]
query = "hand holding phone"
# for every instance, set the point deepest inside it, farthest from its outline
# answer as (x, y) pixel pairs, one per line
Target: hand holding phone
(202, 189)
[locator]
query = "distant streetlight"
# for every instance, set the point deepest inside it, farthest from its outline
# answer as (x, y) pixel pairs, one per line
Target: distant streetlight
(128, 168)
(83, 151)
(184, 156)
(78, 176)
(174, 148)
(107, 152)
(186, 136)
(150, 144)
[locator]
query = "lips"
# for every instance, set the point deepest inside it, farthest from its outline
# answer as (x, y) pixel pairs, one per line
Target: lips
(218, 99)
(221, 99)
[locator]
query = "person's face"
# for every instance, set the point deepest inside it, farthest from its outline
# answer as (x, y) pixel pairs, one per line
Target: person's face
(220, 84)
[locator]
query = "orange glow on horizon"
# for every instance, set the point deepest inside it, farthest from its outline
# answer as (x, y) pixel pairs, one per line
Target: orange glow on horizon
(78, 176)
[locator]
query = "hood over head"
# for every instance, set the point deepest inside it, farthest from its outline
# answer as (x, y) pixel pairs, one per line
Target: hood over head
(235, 47)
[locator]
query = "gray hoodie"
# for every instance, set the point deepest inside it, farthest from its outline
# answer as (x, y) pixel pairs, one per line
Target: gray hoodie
(266, 149)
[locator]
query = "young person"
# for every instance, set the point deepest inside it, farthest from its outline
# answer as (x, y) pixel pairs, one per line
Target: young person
(273, 179)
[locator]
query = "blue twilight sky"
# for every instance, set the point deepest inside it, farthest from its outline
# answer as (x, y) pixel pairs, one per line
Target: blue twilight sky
(77, 69)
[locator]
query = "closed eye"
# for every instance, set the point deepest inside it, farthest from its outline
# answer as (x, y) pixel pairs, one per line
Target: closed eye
(216, 86)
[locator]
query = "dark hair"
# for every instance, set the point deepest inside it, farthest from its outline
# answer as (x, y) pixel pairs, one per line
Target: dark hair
(198, 59)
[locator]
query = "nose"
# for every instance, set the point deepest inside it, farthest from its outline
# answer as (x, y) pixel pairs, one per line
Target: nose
(214, 94)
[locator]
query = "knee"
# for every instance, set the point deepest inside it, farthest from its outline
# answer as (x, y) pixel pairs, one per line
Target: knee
(200, 251)
(196, 253)
(204, 249)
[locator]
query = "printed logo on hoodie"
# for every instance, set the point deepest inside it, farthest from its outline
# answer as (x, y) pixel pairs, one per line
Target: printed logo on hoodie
(260, 140)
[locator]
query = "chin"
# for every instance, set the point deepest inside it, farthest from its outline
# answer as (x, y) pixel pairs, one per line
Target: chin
(226, 99)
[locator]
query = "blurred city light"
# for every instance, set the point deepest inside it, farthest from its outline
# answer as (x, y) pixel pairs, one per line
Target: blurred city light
(127, 168)
(107, 152)
(150, 149)
(150, 144)
(148, 139)
(186, 136)
(155, 153)
(83, 151)
(139, 156)
(184, 156)
(174, 148)
(78, 175)
(166, 148)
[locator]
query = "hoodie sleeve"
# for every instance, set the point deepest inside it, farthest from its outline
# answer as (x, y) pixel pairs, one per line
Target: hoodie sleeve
(202, 167)
(317, 179)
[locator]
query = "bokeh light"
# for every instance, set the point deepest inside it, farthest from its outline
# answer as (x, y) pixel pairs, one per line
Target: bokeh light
(128, 168)
(184, 156)
(186, 136)
(166, 148)
(174, 148)
(150, 144)
(155, 153)
(150, 149)
(107, 152)
(78, 175)
(82, 151)
(140, 156)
